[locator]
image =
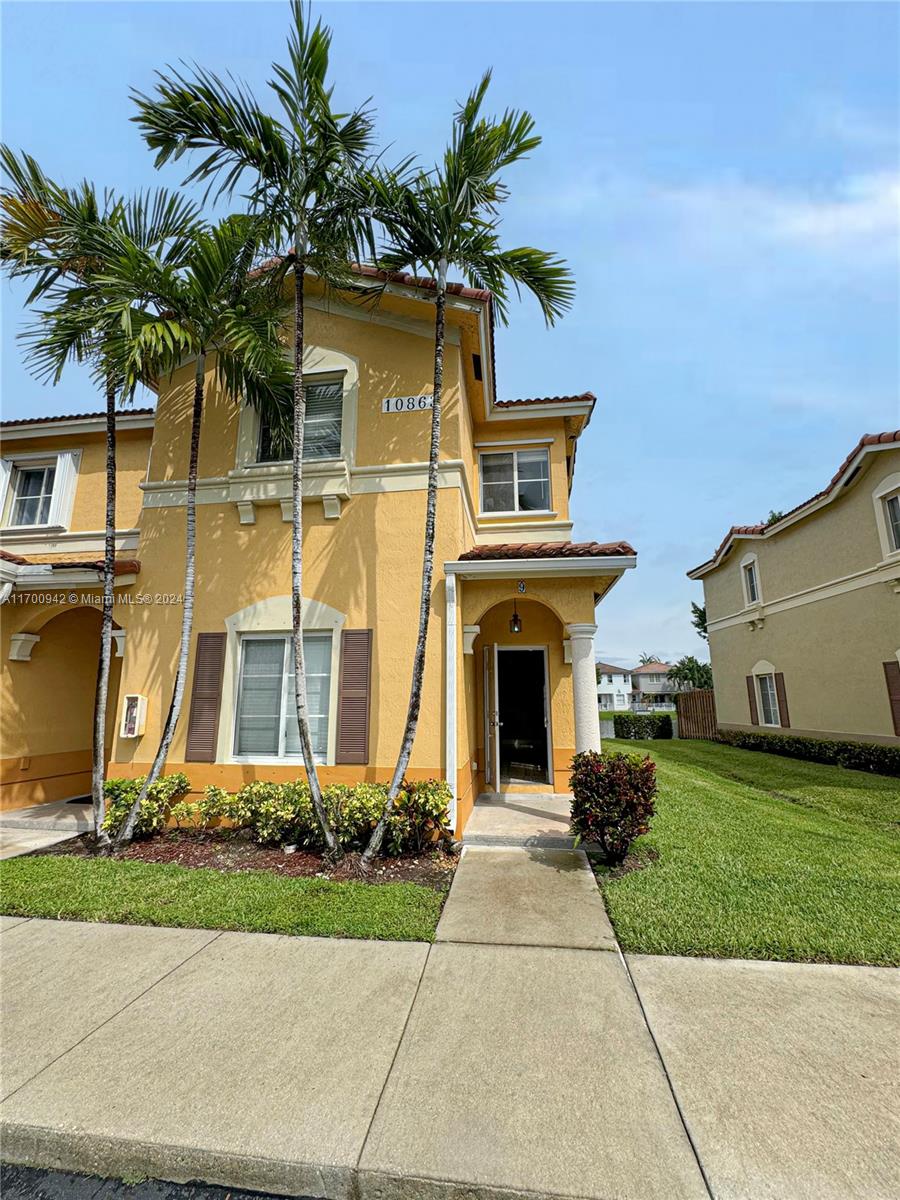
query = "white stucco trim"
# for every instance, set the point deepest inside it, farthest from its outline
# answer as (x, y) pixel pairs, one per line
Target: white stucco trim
(21, 646)
(515, 568)
(548, 441)
(273, 615)
(450, 689)
(763, 667)
(881, 573)
(470, 633)
(30, 541)
(884, 488)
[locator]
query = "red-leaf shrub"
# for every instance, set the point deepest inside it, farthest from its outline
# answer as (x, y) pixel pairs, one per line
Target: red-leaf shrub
(612, 799)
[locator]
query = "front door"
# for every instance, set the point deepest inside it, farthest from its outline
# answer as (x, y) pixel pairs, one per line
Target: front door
(523, 715)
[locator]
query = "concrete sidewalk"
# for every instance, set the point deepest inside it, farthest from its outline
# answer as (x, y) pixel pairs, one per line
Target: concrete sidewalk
(498, 1069)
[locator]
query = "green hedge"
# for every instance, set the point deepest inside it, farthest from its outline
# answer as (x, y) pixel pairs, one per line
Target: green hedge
(856, 756)
(642, 726)
(278, 813)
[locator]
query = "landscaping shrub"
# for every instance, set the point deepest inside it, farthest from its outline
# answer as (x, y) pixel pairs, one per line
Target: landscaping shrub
(612, 799)
(162, 797)
(642, 726)
(278, 813)
(421, 813)
(856, 756)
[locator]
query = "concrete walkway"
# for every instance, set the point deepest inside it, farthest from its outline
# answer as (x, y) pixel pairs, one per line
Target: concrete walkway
(520, 1057)
(25, 829)
(520, 819)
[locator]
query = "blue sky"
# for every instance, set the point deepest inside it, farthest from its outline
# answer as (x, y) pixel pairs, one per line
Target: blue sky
(723, 178)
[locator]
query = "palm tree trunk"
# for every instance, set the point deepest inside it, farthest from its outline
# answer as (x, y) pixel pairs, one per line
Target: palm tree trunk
(101, 696)
(315, 789)
(418, 671)
(187, 613)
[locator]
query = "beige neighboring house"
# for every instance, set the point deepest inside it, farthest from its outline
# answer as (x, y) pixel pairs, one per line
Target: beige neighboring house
(804, 614)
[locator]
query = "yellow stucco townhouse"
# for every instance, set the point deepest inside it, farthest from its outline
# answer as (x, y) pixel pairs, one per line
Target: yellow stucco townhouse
(803, 613)
(510, 690)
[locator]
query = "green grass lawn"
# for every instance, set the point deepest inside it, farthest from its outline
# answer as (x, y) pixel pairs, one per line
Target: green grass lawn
(134, 893)
(761, 856)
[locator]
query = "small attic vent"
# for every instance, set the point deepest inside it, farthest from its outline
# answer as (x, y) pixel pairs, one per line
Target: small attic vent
(476, 366)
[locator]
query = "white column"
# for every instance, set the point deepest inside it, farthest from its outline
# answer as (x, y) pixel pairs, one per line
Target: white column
(584, 687)
(450, 693)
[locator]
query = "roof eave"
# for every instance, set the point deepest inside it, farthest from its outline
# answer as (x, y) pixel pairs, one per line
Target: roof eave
(514, 568)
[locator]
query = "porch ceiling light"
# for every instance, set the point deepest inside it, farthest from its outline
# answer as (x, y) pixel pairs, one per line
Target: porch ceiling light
(515, 621)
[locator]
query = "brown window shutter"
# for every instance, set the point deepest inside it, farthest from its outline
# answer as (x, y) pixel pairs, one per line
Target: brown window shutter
(353, 696)
(892, 679)
(751, 696)
(206, 697)
(783, 718)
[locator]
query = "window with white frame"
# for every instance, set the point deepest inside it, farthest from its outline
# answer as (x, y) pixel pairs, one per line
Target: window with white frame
(321, 426)
(515, 481)
(751, 582)
(37, 490)
(266, 719)
(892, 519)
(768, 700)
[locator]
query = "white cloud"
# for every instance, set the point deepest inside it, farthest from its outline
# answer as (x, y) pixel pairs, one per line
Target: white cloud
(833, 119)
(858, 209)
(857, 217)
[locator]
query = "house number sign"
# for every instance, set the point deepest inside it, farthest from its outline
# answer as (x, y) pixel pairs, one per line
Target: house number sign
(401, 404)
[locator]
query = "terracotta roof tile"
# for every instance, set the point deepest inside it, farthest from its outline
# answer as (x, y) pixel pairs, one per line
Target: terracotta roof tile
(548, 550)
(588, 397)
(125, 412)
(124, 566)
(651, 668)
(889, 437)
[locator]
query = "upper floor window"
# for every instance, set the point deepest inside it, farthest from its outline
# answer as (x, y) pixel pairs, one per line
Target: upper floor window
(37, 490)
(31, 493)
(517, 481)
(321, 427)
(751, 582)
(892, 515)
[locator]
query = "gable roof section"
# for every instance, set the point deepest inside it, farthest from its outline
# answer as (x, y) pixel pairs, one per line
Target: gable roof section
(651, 668)
(609, 669)
(842, 477)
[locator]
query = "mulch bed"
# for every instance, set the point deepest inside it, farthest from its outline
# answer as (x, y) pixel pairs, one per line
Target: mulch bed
(235, 852)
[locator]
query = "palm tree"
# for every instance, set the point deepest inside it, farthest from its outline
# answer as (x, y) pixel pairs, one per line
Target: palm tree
(445, 218)
(305, 168)
(645, 659)
(44, 230)
(215, 310)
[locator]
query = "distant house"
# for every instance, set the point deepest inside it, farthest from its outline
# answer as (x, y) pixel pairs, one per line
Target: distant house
(803, 613)
(650, 687)
(613, 688)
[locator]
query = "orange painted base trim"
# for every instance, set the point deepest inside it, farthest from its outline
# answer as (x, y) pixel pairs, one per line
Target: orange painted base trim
(44, 778)
(233, 776)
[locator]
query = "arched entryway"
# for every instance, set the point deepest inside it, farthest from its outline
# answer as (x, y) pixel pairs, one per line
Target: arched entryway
(520, 663)
(48, 710)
